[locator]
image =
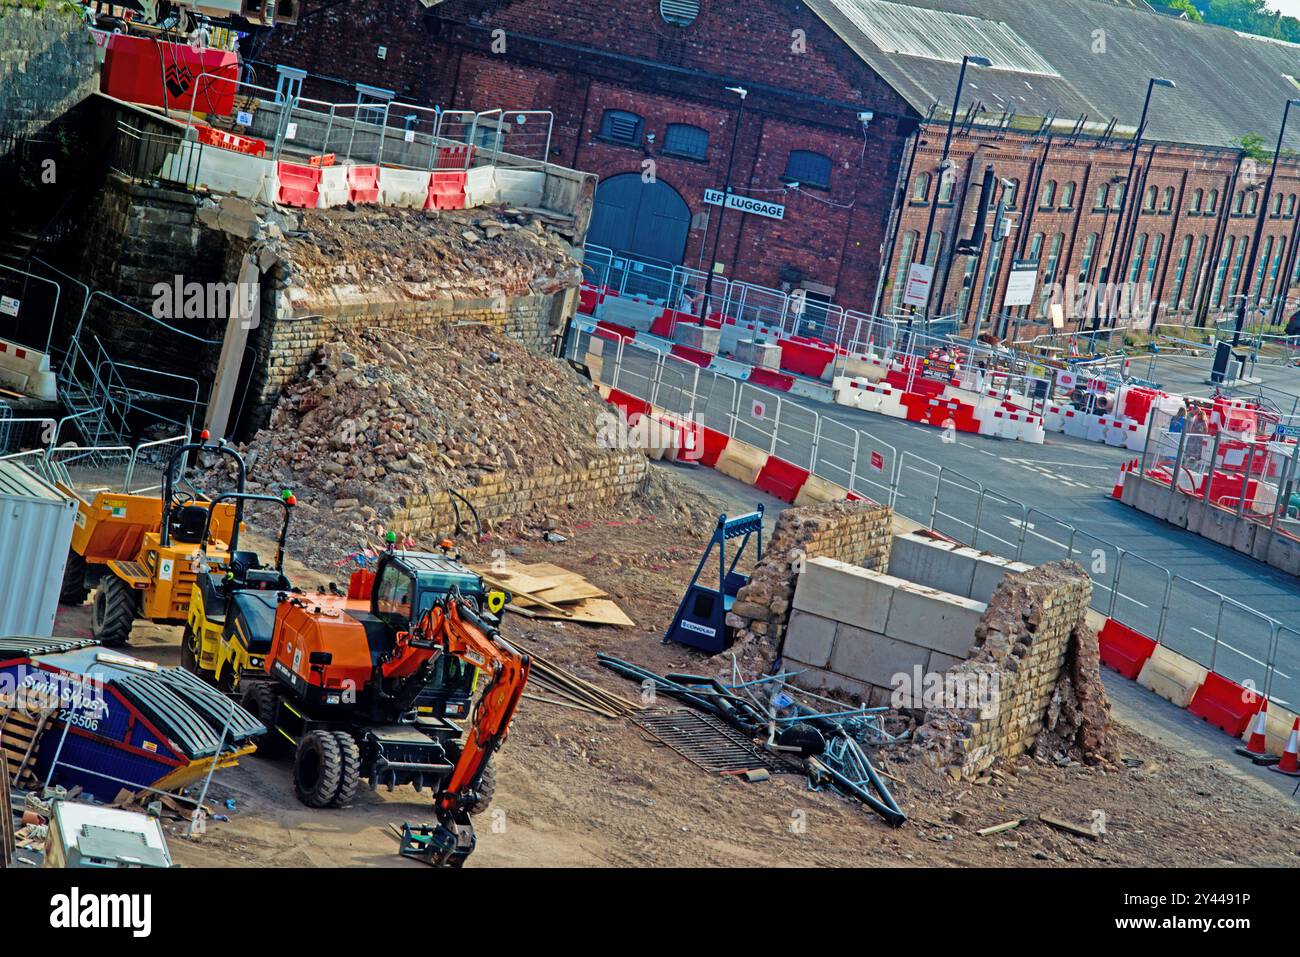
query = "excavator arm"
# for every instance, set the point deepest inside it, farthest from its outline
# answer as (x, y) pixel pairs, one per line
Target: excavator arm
(452, 627)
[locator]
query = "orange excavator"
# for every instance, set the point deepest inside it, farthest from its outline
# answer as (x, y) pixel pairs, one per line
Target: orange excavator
(375, 694)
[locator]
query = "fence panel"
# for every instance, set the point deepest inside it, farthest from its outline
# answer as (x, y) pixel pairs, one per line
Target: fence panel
(1046, 539)
(1000, 524)
(1193, 617)
(877, 468)
(756, 417)
(1244, 646)
(956, 507)
(1141, 589)
(1100, 559)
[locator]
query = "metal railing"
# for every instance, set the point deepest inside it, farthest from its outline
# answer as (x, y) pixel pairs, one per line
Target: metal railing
(1133, 589)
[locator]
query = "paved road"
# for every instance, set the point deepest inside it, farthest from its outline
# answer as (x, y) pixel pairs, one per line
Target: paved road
(1063, 481)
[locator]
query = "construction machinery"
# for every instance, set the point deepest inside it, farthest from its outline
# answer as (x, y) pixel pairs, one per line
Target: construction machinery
(111, 526)
(233, 603)
(374, 694)
(156, 582)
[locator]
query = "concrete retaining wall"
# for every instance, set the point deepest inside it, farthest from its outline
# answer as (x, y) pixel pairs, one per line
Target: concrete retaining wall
(956, 569)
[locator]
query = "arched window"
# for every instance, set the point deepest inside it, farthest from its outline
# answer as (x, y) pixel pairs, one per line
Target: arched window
(1047, 199)
(921, 188)
(1117, 195)
(1135, 264)
(906, 247)
(1101, 197)
(1067, 195)
(1149, 204)
(1009, 193)
(1049, 272)
(682, 139)
(1198, 197)
(622, 127)
(1252, 207)
(810, 169)
(1089, 250)
(1277, 206)
(680, 13)
(1180, 272)
(1194, 274)
(1212, 202)
(947, 181)
(1236, 203)
(1290, 206)
(1167, 200)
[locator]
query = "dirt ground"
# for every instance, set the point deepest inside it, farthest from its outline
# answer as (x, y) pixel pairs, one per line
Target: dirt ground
(576, 789)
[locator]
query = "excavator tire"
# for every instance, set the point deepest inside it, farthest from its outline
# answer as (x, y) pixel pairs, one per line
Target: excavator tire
(350, 773)
(74, 589)
(113, 612)
(317, 769)
(258, 698)
(487, 786)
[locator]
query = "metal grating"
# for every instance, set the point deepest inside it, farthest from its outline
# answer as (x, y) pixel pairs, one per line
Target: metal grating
(681, 13)
(939, 35)
(708, 742)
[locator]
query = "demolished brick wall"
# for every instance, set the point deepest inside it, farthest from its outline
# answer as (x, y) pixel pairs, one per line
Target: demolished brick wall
(1034, 681)
(855, 532)
(378, 429)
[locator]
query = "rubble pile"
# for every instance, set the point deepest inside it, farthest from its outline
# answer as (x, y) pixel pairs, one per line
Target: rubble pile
(424, 256)
(381, 417)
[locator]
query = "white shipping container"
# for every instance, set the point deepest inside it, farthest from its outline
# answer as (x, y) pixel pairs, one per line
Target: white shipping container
(35, 531)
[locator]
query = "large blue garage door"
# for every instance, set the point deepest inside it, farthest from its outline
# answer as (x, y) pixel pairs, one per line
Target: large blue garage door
(644, 220)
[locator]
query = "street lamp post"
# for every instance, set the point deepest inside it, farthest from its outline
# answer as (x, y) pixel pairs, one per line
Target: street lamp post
(1122, 219)
(943, 169)
(1250, 298)
(741, 92)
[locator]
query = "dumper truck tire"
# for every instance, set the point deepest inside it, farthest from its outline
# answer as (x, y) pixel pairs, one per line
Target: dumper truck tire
(487, 786)
(317, 769)
(113, 613)
(258, 699)
(350, 773)
(74, 589)
(190, 652)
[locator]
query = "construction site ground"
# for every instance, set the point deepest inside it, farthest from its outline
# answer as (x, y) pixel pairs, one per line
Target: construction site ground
(576, 789)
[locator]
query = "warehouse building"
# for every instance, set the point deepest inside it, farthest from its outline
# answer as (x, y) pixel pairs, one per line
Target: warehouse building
(826, 119)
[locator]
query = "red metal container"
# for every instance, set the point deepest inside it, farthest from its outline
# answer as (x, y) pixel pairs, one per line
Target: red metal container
(169, 75)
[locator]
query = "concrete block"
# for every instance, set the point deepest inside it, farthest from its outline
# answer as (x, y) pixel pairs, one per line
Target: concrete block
(990, 570)
(828, 682)
(874, 658)
(809, 638)
(1172, 676)
(933, 619)
(935, 564)
(705, 338)
(939, 663)
(764, 355)
(846, 593)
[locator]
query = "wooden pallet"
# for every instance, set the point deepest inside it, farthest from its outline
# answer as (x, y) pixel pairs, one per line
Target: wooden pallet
(20, 743)
(7, 838)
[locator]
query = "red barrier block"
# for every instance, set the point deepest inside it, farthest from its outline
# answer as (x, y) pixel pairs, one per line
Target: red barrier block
(363, 184)
(715, 443)
(588, 299)
(781, 479)
(664, 324)
(1225, 704)
(690, 354)
(630, 404)
(1124, 649)
(299, 185)
(446, 190)
(802, 357)
(249, 146)
(613, 331)
(770, 379)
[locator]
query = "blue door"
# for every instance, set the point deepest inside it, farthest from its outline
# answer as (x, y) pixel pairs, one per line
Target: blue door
(644, 220)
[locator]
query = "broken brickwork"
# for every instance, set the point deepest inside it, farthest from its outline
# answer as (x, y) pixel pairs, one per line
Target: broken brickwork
(1036, 653)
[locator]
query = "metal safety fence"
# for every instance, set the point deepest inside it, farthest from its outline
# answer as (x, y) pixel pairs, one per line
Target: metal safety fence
(1213, 629)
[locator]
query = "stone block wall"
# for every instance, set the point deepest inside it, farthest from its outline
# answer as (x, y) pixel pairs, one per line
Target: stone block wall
(864, 634)
(286, 342)
(47, 64)
(956, 569)
(606, 478)
(1033, 628)
(853, 532)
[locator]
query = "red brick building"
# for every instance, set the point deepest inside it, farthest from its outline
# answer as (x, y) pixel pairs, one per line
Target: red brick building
(849, 100)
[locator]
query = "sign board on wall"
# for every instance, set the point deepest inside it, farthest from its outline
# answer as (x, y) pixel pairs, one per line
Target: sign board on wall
(919, 279)
(1021, 284)
(746, 204)
(9, 305)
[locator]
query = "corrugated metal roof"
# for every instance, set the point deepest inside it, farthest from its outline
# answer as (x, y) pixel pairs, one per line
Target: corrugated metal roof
(19, 482)
(940, 35)
(1102, 53)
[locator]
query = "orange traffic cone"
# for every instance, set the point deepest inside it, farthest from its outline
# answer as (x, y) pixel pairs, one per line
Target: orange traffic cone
(1118, 490)
(1291, 756)
(1257, 747)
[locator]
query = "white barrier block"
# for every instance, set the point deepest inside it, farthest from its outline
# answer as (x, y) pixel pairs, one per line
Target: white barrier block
(1115, 432)
(334, 189)
(1096, 428)
(1053, 418)
(224, 171)
(1033, 430)
(1135, 436)
(403, 187)
(481, 188)
(520, 187)
(1076, 423)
